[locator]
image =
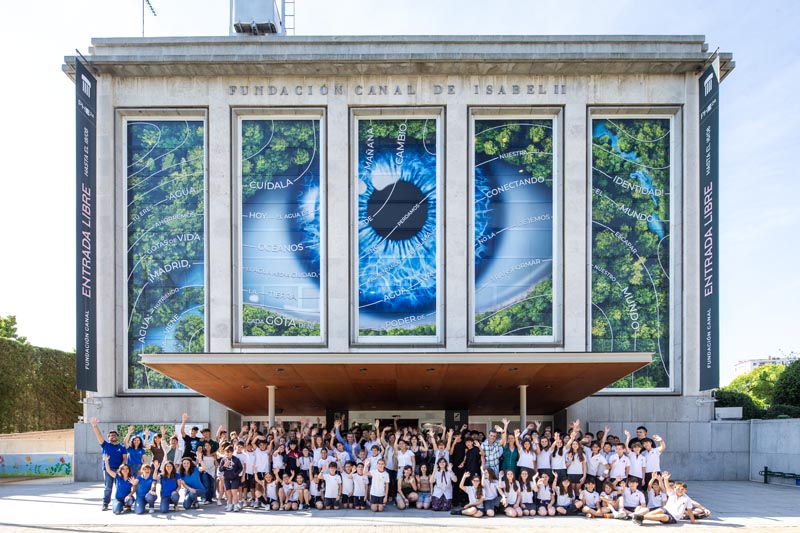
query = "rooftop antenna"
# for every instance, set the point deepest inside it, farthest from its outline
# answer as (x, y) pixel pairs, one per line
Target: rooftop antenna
(152, 10)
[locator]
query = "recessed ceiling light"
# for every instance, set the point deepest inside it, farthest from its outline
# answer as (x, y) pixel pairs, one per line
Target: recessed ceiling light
(279, 369)
(245, 387)
(513, 369)
(430, 370)
(362, 369)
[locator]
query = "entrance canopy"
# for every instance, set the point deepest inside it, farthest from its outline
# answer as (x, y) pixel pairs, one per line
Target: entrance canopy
(310, 384)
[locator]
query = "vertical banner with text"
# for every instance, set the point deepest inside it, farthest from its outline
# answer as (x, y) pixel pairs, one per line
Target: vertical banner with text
(709, 229)
(85, 155)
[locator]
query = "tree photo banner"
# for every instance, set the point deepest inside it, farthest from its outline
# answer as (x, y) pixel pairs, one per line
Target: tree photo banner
(513, 184)
(281, 234)
(630, 270)
(166, 187)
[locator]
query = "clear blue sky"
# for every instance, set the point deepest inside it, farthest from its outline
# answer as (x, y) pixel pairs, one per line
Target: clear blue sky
(760, 287)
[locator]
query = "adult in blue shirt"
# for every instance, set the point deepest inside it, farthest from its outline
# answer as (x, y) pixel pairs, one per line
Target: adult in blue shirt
(145, 490)
(169, 479)
(350, 444)
(192, 482)
(117, 456)
(125, 486)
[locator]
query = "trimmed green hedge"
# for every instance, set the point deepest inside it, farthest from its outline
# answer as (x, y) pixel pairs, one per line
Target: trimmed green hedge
(727, 398)
(37, 388)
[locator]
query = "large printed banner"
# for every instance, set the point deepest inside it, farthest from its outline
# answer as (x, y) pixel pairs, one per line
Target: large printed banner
(513, 210)
(85, 232)
(630, 275)
(397, 229)
(165, 180)
(709, 229)
(281, 232)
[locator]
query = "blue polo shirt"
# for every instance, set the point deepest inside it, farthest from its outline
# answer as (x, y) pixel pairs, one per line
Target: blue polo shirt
(115, 453)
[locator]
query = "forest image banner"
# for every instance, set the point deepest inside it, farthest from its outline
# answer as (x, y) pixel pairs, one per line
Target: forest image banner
(165, 180)
(630, 274)
(398, 223)
(513, 218)
(281, 238)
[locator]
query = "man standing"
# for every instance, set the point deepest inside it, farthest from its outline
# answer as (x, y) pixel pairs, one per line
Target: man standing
(117, 456)
(491, 452)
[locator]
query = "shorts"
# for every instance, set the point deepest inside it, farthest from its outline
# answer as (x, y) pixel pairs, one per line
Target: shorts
(260, 476)
(316, 499)
(249, 481)
(359, 501)
(376, 500)
(331, 502)
(630, 509)
(671, 518)
(346, 499)
(542, 504)
(491, 504)
(574, 478)
(571, 509)
(232, 484)
(424, 497)
(562, 473)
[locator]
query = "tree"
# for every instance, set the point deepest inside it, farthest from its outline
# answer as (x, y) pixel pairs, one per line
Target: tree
(759, 383)
(8, 329)
(787, 389)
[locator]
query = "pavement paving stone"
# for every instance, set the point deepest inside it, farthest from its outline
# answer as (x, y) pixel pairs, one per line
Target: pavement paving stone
(54, 505)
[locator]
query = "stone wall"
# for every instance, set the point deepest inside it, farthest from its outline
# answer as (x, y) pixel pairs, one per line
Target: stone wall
(698, 448)
(774, 444)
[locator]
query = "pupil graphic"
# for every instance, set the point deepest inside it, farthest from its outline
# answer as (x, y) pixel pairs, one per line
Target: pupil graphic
(397, 212)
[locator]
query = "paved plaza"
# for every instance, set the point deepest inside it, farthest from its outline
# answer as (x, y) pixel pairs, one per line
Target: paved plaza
(55, 505)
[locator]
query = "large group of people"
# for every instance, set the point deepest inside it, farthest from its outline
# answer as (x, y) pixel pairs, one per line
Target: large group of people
(525, 472)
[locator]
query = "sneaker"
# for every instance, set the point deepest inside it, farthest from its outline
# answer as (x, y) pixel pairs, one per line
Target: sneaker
(229, 508)
(240, 506)
(105, 507)
(236, 508)
(589, 515)
(151, 511)
(619, 515)
(300, 507)
(638, 519)
(219, 503)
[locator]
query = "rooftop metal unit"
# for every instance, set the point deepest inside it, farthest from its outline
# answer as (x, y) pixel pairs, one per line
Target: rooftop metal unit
(256, 17)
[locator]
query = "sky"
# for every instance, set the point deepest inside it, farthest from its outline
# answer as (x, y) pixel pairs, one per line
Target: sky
(759, 187)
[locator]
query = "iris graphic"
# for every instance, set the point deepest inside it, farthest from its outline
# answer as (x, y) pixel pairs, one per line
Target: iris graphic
(397, 232)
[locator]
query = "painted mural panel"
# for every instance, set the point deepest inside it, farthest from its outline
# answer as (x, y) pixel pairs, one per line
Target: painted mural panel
(630, 271)
(398, 225)
(165, 191)
(281, 195)
(513, 221)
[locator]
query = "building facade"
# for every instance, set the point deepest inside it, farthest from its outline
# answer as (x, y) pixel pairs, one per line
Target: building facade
(438, 227)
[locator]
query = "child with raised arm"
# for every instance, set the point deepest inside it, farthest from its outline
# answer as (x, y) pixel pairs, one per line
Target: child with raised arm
(474, 492)
(360, 487)
(652, 456)
(678, 502)
(442, 486)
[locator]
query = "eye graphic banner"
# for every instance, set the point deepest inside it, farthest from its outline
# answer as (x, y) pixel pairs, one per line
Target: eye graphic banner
(281, 233)
(630, 271)
(165, 180)
(398, 225)
(513, 220)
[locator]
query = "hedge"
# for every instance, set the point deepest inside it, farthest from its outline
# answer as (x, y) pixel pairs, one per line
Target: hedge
(37, 388)
(787, 389)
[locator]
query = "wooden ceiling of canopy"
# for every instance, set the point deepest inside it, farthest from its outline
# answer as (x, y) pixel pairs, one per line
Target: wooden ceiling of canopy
(482, 388)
